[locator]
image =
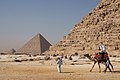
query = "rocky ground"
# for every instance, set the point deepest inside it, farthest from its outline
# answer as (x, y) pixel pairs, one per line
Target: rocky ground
(76, 69)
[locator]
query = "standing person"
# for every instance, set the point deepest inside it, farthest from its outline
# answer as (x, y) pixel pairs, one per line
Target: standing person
(59, 62)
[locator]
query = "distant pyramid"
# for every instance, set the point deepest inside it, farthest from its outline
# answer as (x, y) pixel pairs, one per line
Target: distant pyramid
(37, 45)
(12, 51)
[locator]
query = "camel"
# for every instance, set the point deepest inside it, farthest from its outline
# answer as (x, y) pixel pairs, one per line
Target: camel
(96, 60)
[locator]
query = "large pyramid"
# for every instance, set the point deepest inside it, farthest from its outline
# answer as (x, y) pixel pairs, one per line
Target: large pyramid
(102, 24)
(37, 45)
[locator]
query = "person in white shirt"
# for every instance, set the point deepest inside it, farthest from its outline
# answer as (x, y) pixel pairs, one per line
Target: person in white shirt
(102, 48)
(59, 62)
(102, 52)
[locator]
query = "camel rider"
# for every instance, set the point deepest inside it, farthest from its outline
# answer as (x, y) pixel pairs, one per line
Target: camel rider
(102, 49)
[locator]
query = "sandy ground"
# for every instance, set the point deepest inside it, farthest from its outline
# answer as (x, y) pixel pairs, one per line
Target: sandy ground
(38, 71)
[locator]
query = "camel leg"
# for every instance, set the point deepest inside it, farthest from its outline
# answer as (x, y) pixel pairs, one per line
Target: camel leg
(93, 66)
(99, 67)
(108, 63)
(107, 66)
(111, 66)
(109, 69)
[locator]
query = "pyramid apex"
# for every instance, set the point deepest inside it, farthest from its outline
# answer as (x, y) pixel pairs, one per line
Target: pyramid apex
(38, 34)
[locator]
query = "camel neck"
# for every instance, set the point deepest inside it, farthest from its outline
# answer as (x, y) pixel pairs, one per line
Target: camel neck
(90, 58)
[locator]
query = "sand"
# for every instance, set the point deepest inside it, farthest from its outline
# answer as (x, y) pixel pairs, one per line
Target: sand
(45, 70)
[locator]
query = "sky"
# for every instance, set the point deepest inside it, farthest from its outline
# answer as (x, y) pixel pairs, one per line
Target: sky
(20, 20)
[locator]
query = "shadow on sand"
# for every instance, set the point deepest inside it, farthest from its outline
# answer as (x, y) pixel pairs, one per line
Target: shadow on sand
(67, 72)
(116, 71)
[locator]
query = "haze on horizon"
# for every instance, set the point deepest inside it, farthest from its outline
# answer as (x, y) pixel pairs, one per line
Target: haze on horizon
(20, 20)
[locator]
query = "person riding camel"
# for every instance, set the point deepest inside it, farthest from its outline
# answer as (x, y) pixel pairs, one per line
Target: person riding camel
(103, 53)
(102, 48)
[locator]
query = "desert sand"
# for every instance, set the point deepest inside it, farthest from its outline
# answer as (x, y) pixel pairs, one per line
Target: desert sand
(47, 70)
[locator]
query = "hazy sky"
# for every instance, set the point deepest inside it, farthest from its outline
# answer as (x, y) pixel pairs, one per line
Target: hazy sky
(20, 20)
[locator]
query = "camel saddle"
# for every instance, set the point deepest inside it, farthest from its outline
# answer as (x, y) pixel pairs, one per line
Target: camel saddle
(101, 57)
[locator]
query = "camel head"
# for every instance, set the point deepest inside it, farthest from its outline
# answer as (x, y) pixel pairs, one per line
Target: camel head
(86, 55)
(89, 57)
